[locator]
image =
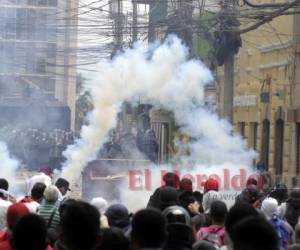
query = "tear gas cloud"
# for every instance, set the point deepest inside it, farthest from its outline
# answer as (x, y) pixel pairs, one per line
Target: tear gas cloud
(165, 77)
(8, 165)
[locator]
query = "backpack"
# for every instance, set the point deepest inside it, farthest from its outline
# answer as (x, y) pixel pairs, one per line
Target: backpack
(214, 235)
(282, 232)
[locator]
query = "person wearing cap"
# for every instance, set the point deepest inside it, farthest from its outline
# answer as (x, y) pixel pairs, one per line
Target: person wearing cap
(118, 216)
(211, 184)
(63, 186)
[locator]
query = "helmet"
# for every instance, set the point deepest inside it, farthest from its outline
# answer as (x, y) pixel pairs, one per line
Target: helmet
(177, 214)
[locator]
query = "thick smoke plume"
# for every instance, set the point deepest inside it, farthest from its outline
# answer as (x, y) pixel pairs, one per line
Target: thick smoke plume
(8, 165)
(165, 77)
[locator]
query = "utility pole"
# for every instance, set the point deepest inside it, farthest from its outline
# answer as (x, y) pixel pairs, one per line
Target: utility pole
(229, 24)
(134, 21)
(119, 34)
(116, 12)
(151, 29)
(228, 87)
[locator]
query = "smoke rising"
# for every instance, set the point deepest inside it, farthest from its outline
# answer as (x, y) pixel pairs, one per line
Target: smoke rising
(8, 164)
(165, 77)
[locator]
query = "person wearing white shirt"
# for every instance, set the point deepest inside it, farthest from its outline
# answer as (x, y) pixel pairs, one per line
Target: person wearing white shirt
(63, 186)
(37, 194)
(38, 178)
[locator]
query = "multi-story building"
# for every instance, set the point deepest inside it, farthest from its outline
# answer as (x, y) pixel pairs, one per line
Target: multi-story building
(266, 95)
(37, 52)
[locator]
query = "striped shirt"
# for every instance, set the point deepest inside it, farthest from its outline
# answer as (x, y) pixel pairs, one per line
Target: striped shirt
(46, 210)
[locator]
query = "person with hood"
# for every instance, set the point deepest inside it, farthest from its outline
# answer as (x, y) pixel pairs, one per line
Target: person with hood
(170, 180)
(101, 204)
(285, 232)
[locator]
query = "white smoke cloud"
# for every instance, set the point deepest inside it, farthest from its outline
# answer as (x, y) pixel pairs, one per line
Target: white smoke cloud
(8, 165)
(165, 77)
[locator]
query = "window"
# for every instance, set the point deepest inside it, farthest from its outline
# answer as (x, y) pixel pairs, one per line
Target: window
(279, 141)
(241, 129)
(265, 144)
(253, 135)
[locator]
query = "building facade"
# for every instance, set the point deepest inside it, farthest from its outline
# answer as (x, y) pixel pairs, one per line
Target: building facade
(266, 96)
(38, 52)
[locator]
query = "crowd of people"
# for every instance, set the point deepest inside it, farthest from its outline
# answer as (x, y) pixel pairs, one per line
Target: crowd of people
(175, 218)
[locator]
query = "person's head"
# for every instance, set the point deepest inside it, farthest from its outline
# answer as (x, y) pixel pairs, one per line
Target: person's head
(211, 185)
(168, 196)
(254, 233)
(14, 213)
(30, 233)
(208, 199)
(251, 194)
(171, 179)
(118, 216)
(177, 214)
(113, 239)
(100, 204)
(269, 207)
(51, 194)
(198, 196)
(185, 199)
(3, 188)
(46, 170)
(251, 181)
(237, 213)
(37, 191)
(80, 225)
(4, 184)
(186, 185)
(149, 229)
(280, 193)
(178, 227)
(218, 212)
(63, 185)
(294, 197)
